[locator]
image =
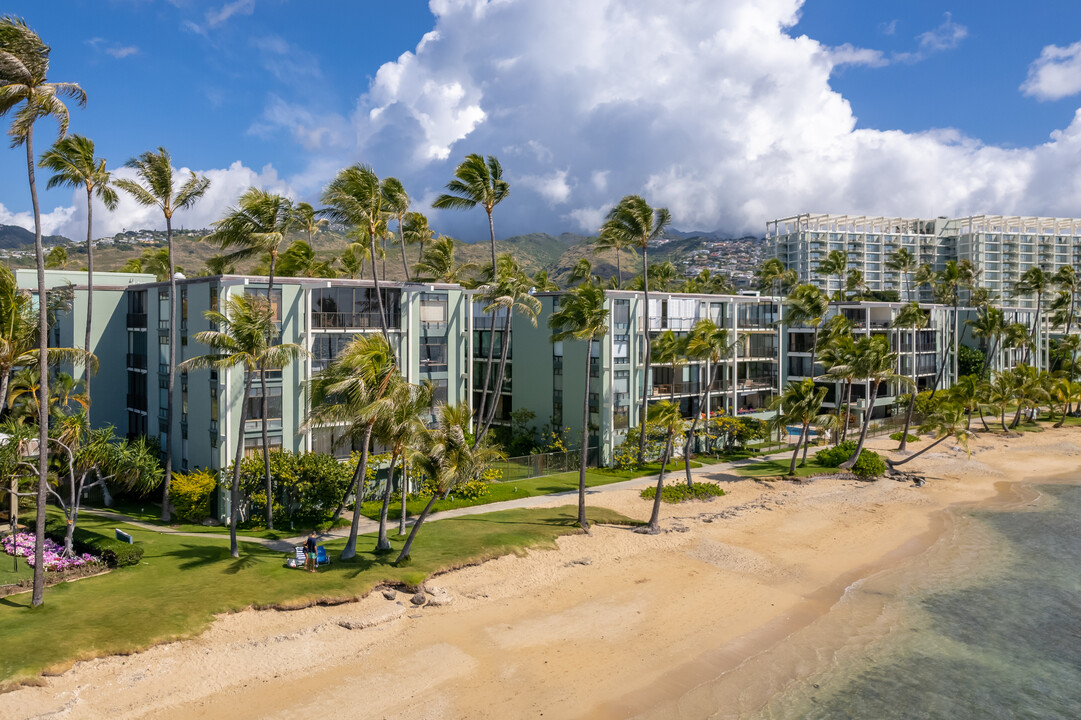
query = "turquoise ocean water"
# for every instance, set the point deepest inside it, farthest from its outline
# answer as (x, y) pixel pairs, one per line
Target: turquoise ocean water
(985, 624)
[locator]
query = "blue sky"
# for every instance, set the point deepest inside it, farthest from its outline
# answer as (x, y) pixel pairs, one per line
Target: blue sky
(730, 113)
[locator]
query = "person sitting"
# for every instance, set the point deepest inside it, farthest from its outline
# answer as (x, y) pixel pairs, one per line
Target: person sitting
(310, 553)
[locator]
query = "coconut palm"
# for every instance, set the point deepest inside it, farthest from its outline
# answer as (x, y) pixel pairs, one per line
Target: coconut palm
(509, 293)
(476, 182)
(354, 390)
(543, 283)
(837, 356)
(300, 260)
(668, 350)
(396, 202)
(416, 230)
(799, 404)
(1000, 395)
(667, 416)
(904, 262)
(988, 325)
(967, 393)
(807, 305)
(873, 361)
(581, 316)
(56, 258)
(836, 263)
(773, 277)
(306, 218)
(1030, 389)
(1065, 392)
(911, 316)
(24, 67)
(708, 283)
(708, 343)
(606, 241)
(352, 261)
(636, 225)
(245, 339)
(74, 164)
(448, 458)
(1034, 281)
(157, 187)
(948, 420)
(397, 425)
(855, 286)
(355, 198)
(582, 272)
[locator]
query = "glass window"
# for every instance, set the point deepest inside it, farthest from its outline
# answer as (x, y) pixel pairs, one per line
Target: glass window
(433, 309)
(254, 445)
(433, 355)
(275, 301)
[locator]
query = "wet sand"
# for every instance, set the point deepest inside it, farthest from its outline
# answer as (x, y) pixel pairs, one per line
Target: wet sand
(610, 625)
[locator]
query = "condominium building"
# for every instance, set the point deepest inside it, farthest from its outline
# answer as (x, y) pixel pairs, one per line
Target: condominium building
(1001, 247)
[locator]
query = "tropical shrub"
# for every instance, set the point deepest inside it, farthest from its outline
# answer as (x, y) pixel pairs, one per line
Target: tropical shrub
(869, 464)
(900, 433)
(834, 456)
(626, 455)
(113, 552)
(190, 494)
(681, 492)
(307, 486)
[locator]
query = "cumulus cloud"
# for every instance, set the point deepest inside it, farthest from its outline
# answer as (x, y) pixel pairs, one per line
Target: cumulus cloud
(715, 110)
(1055, 74)
(226, 185)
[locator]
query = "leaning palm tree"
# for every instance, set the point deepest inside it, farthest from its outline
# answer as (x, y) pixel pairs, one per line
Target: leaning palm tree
(244, 340)
(24, 67)
(437, 263)
(667, 416)
(307, 219)
(257, 226)
(904, 262)
(156, 187)
(946, 421)
(300, 260)
(396, 202)
(911, 316)
(354, 391)
(770, 275)
(967, 393)
(875, 362)
(709, 343)
(988, 325)
(799, 404)
(448, 458)
(355, 198)
(397, 427)
(74, 164)
(476, 182)
(1065, 392)
(607, 240)
(416, 231)
(581, 316)
(636, 224)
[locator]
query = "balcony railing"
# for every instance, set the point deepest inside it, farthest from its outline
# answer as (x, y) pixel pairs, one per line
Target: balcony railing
(352, 320)
(665, 389)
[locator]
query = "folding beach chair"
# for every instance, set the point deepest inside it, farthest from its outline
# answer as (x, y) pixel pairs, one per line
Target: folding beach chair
(300, 558)
(321, 556)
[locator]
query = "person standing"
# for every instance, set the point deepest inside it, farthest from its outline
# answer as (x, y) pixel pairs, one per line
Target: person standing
(310, 553)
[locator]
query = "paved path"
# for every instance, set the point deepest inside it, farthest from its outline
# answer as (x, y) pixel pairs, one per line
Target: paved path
(370, 526)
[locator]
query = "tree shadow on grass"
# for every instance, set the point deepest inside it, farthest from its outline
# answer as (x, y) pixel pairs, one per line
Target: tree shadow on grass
(245, 561)
(9, 602)
(194, 556)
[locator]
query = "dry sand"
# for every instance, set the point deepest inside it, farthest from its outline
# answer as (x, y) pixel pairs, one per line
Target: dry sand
(611, 625)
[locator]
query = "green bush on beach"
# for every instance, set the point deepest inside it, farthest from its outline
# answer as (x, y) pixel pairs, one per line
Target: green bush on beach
(681, 492)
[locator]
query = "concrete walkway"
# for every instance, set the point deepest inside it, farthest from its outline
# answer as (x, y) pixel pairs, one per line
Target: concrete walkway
(371, 526)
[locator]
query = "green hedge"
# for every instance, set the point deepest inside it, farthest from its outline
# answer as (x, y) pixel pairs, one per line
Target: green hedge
(897, 436)
(681, 492)
(112, 551)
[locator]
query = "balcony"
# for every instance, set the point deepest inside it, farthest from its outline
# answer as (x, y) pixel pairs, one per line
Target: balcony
(136, 362)
(137, 321)
(668, 389)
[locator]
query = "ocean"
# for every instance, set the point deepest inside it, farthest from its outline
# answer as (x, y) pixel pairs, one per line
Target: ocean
(984, 624)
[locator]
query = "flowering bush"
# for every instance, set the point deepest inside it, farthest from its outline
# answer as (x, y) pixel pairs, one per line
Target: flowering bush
(22, 545)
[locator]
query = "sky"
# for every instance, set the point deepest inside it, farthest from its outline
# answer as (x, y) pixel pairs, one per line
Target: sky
(730, 113)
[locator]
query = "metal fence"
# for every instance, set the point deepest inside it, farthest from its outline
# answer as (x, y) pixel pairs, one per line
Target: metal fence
(542, 464)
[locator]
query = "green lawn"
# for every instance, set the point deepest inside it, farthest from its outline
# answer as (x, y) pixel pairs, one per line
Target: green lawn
(183, 582)
(779, 467)
(648, 469)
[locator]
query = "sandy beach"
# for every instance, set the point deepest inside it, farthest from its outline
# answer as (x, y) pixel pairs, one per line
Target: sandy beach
(611, 625)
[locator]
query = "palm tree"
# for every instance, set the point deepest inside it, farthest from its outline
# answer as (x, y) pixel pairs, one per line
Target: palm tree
(911, 316)
(581, 316)
(617, 244)
(1065, 392)
(156, 188)
(875, 362)
(307, 219)
(543, 283)
(257, 226)
(509, 293)
(989, 325)
(299, 260)
(448, 458)
(1000, 395)
(437, 263)
(838, 357)
(1034, 281)
(396, 202)
(771, 276)
(56, 258)
(73, 164)
(904, 262)
(668, 350)
(800, 404)
(855, 284)
(476, 182)
(355, 198)
(946, 421)
(836, 263)
(807, 305)
(24, 67)
(352, 261)
(636, 224)
(967, 393)
(582, 272)
(666, 415)
(416, 230)
(354, 390)
(244, 340)
(400, 428)
(709, 343)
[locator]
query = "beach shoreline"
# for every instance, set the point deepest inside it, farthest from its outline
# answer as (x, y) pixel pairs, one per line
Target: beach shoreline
(614, 624)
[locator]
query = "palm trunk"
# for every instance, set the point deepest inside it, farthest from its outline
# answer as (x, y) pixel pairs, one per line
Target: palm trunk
(401, 242)
(1032, 331)
(912, 398)
(266, 405)
(165, 514)
(378, 294)
(480, 413)
(806, 445)
(1016, 416)
(795, 453)
(1002, 419)
(649, 359)
(655, 516)
(405, 494)
(89, 292)
(916, 454)
(38, 596)
(850, 462)
(694, 424)
(584, 448)
(350, 549)
(383, 260)
(357, 482)
(983, 420)
(1065, 410)
(847, 413)
(491, 233)
(382, 544)
(234, 490)
(619, 269)
(416, 526)
(497, 391)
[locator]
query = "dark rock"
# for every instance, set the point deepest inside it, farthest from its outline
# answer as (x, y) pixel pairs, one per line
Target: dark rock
(419, 599)
(390, 594)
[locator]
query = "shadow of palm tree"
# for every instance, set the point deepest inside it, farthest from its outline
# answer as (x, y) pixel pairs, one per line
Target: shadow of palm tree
(243, 562)
(194, 556)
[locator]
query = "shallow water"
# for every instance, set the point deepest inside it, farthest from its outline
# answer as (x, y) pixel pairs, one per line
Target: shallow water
(986, 624)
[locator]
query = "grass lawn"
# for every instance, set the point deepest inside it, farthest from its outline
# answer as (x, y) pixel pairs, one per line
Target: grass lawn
(498, 492)
(183, 582)
(652, 468)
(779, 467)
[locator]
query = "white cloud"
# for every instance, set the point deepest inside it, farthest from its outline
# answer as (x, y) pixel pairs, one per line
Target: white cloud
(849, 54)
(1055, 74)
(216, 18)
(112, 49)
(946, 36)
(226, 185)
